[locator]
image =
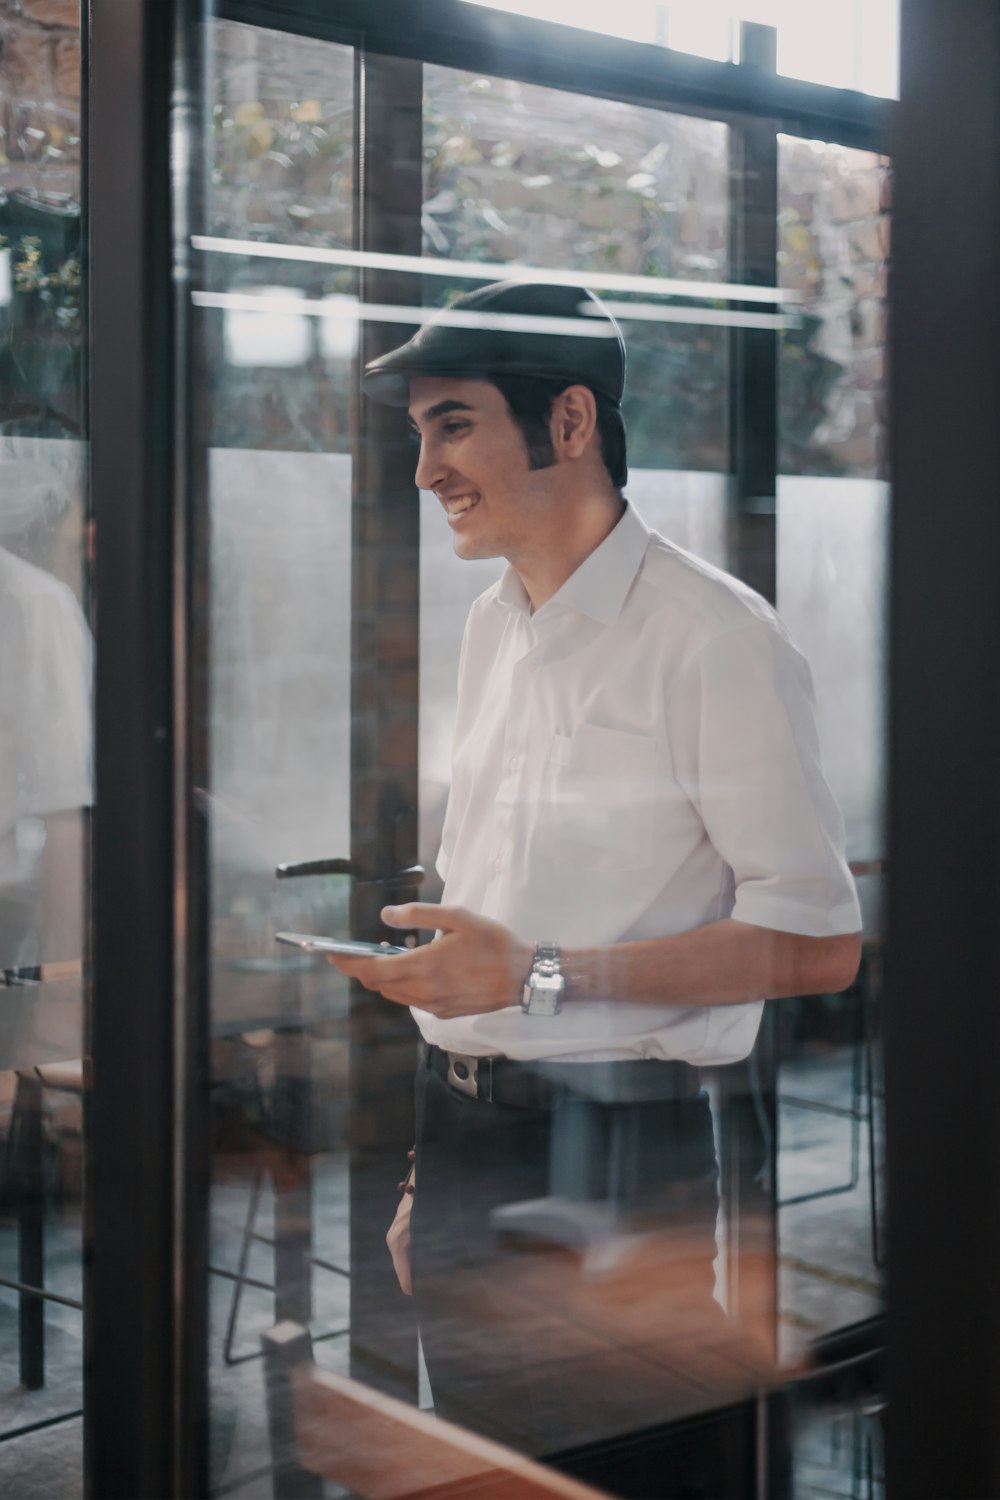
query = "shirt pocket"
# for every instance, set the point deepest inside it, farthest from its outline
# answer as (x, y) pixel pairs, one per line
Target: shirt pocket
(600, 799)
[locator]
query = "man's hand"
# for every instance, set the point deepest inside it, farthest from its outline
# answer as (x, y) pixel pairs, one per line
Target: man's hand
(398, 1240)
(475, 966)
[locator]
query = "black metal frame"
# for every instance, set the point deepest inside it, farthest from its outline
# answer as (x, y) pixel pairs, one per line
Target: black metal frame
(385, 689)
(753, 379)
(146, 1265)
(942, 1022)
(129, 1374)
(458, 35)
(145, 1207)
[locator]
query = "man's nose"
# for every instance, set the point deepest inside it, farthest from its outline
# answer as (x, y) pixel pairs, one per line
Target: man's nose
(430, 469)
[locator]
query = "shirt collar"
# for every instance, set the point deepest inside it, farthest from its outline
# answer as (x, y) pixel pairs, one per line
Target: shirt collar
(600, 584)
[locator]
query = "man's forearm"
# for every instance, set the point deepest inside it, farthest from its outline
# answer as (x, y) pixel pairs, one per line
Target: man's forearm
(724, 963)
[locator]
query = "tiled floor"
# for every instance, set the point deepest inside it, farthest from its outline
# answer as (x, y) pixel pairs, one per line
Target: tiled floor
(45, 1464)
(827, 1279)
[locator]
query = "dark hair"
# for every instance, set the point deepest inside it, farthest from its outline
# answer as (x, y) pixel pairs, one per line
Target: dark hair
(530, 403)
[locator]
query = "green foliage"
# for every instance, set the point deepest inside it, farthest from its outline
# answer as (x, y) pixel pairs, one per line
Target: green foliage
(56, 293)
(41, 326)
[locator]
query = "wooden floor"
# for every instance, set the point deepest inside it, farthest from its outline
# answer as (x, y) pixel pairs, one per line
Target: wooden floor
(827, 1279)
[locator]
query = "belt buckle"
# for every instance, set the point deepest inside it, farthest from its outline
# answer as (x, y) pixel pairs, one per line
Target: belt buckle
(464, 1075)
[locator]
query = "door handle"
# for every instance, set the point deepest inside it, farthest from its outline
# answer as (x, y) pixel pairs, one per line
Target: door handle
(412, 875)
(314, 867)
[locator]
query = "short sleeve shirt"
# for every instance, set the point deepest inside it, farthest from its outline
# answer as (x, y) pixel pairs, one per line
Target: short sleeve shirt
(46, 671)
(637, 758)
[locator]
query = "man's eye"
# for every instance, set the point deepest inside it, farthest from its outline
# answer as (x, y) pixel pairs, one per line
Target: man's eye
(450, 428)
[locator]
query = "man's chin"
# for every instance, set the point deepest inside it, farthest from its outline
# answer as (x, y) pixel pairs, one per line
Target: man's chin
(473, 549)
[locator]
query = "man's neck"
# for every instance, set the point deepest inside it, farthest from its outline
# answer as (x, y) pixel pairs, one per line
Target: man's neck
(544, 567)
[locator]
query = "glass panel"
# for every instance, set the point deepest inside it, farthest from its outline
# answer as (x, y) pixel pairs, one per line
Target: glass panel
(833, 255)
(274, 393)
(624, 745)
(833, 503)
(46, 728)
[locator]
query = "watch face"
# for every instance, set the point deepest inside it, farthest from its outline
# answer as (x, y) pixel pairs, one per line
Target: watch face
(547, 984)
(544, 994)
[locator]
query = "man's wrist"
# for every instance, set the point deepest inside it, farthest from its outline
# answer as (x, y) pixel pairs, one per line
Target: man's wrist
(589, 973)
(522, 956)
(593, 973)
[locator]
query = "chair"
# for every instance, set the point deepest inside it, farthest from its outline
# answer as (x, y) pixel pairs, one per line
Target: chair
(24, 1174)
(860, 1111)
(324, 1426)
(297, 1123)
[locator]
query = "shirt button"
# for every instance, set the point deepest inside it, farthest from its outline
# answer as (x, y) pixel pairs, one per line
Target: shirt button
(514, 762)
(498, 863)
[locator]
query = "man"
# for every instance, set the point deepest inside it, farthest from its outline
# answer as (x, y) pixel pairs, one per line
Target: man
(639, 849)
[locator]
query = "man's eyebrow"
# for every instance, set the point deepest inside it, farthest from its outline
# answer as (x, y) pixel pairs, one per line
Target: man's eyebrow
(439, 409)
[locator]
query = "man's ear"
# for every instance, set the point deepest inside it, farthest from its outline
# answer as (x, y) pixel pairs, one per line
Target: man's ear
(574, 421)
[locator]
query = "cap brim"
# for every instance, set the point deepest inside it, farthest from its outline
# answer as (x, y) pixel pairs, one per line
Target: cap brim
(387, 379)
(390, 387)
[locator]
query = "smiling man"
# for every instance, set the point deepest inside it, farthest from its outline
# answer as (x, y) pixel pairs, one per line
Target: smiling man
(640, 848)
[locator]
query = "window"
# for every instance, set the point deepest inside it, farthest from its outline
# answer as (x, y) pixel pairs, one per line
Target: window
(852, 46)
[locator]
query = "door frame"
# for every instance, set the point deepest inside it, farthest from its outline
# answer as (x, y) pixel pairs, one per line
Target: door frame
(147, 1192)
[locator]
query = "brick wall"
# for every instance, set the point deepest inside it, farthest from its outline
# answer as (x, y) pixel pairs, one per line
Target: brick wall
(40, 97)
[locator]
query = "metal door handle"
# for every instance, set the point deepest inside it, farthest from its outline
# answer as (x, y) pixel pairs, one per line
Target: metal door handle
(314, 867)
(412, 875)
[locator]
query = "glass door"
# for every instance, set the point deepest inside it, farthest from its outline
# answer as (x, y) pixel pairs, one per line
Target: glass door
(348, 193)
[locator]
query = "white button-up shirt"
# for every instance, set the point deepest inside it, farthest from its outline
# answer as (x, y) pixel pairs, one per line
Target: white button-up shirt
(637, 758)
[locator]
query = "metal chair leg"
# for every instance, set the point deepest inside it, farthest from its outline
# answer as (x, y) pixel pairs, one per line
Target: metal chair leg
(285, 1347)
(241, 1278)
(878, 1249)
(30, 1192)
(855, 1112)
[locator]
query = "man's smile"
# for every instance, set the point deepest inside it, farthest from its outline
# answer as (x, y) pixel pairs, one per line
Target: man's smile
(458, 505)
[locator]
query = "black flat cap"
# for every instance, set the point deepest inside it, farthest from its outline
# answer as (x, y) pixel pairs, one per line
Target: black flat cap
(509, 328)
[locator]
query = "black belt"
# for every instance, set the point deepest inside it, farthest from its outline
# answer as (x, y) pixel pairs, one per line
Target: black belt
(539, 1085)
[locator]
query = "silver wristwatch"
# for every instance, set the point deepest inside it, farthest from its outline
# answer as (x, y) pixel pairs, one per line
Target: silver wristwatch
(545, 985)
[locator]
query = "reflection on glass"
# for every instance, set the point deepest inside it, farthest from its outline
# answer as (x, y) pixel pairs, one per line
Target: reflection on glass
(276, 391)
(279, 146)
(46, 733)
(46, 709)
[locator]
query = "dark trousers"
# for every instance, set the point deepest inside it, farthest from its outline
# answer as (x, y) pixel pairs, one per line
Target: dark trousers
(549, 1347)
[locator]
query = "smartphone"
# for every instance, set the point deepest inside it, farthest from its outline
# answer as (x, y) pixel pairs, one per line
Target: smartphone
(313, 944)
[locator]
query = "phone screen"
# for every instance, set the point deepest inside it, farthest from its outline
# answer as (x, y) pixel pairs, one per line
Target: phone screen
(313, 943)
